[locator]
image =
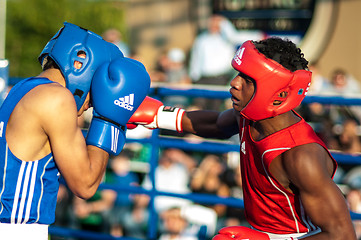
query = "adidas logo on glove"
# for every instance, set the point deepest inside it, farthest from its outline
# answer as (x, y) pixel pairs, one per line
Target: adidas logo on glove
(125, 102)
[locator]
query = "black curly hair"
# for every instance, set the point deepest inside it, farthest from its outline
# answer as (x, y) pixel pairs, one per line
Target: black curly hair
(284, 52)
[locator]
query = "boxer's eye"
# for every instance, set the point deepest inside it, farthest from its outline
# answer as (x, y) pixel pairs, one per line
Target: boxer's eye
(77, 64)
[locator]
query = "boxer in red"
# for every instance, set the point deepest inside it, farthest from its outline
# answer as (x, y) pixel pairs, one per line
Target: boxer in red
(286, 169)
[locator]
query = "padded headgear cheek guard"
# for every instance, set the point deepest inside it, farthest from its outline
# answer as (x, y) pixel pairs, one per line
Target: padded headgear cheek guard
(271, 79)
(64, 48)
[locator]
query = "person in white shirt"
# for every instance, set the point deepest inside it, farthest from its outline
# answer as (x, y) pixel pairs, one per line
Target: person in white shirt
(210, 54)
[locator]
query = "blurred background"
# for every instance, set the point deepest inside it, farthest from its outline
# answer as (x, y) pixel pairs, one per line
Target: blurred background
(326, 30)
(186, 43)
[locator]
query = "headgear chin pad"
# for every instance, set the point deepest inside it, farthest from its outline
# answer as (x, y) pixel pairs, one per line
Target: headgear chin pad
(66, 46)
(271, 79)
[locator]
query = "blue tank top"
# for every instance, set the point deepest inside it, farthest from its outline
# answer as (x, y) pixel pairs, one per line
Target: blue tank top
(28, 190)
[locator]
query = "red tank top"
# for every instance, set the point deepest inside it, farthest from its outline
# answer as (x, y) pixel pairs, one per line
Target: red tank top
(269, 207)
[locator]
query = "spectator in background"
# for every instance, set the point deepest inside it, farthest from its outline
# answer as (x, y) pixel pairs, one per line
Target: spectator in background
(136, 221)
(175, 226)
(349, 139)
(184, 223)
(207, 178)
(234, 215)
(176, 68)
(92, 214)
(64, 216)
(121, 176)
(115, 36)
(319, 83)
(317, 114)
(158, 75)
(171, 175)
(344, 85)
(352, 180)
(354, 200)
(176, 75)
(171, 68)
(211, 53)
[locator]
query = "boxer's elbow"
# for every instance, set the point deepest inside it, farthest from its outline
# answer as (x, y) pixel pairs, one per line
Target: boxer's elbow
(83, 189)
(85, 193)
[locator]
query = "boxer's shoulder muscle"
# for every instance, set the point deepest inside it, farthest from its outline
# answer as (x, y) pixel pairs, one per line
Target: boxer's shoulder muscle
(39, 105)
(46, 97)
(32, 115)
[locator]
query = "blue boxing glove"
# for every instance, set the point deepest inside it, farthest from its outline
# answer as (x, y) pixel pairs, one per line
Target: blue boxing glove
(117, 89)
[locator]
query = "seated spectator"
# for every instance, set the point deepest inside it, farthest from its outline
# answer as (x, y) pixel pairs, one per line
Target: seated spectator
(185, 223)
(234, 215)
(354, 200)
(349, 139)
(121, 175)
(319, 84)
(175, 226)
(158, 74)
(207, 179)
(171, 175)
(344, 85)
(136, 220)
(92, 214)
(317, 114)
(63, 212)
(176, 76)
(176, 68)
(353, 196)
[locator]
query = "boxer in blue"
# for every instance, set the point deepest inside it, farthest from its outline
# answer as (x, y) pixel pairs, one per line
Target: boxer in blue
(39, 135)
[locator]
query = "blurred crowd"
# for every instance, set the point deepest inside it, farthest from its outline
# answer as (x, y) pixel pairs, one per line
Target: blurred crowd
(122, 213)
(206, 64)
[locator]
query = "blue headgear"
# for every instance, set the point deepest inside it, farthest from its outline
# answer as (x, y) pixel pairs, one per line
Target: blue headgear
(64, 49)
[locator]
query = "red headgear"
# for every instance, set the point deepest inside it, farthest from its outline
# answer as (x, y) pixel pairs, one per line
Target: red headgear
(271, 79)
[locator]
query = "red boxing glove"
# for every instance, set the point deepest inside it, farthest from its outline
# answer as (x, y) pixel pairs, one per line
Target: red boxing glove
(243, 233)
(153, 114)
(131, 126)
(240, 233)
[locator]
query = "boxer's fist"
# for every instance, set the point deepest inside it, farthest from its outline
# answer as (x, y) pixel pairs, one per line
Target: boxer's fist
(118, 88)
(240, 233)
(153, 114)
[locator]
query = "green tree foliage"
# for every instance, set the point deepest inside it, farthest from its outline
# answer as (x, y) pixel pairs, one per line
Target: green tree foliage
(31, 23)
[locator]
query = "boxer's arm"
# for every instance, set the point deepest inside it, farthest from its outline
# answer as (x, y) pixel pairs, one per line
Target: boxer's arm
(211, 124)
(83, 163)
(81, 166)
(309, 168)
